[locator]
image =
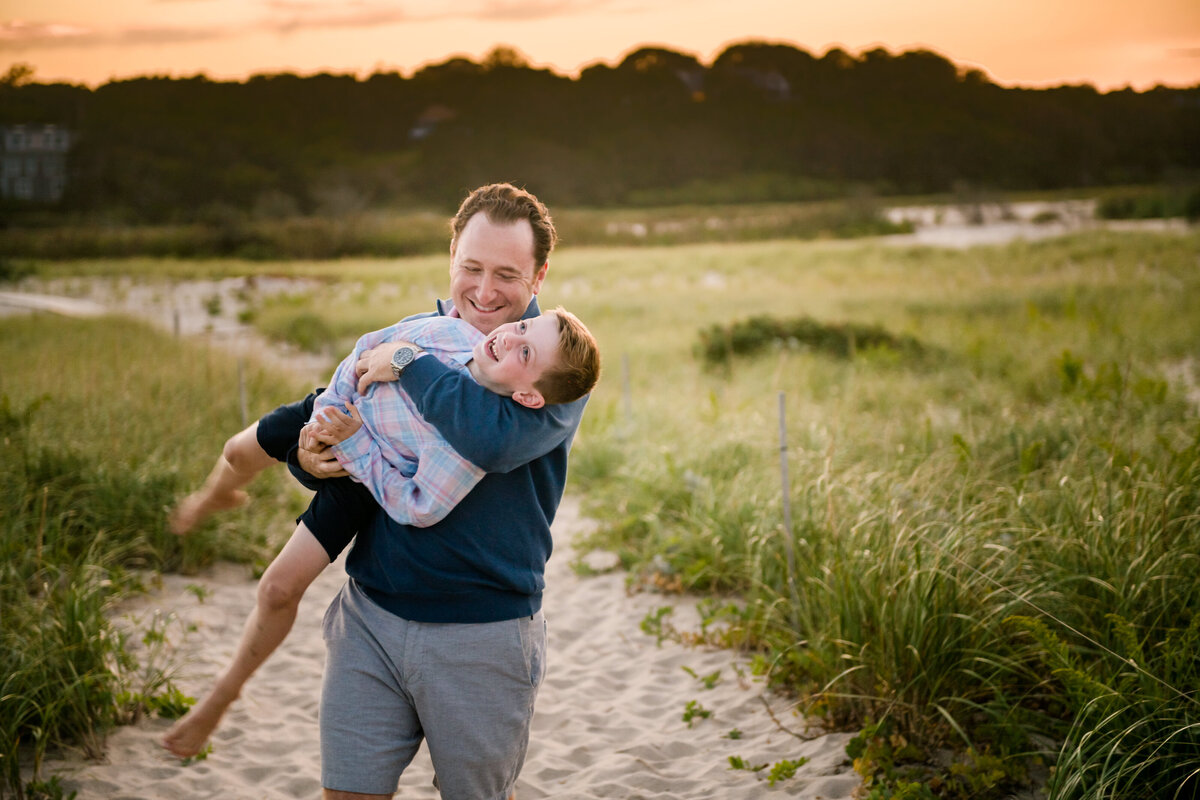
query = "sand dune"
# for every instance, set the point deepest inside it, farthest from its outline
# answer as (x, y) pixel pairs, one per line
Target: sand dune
(609, 720)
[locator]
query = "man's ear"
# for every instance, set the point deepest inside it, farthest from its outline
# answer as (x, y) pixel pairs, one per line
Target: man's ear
(530, 399)
(539, 275)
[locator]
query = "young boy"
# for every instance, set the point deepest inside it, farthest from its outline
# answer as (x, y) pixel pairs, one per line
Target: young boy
(396, 459)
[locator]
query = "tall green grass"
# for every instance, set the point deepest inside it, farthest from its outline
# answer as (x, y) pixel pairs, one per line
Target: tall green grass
(104, 423)
(973, 536)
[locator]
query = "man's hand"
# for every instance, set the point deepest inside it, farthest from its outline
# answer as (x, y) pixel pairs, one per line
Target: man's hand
(376, 364)
(315, 457)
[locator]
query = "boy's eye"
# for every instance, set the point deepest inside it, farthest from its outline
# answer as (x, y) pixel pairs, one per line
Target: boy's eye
(521, 327)
(525, 353)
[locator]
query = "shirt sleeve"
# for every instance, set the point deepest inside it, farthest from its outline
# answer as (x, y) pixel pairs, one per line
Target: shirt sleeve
(442, 479)
(461, 409)
(343, 386)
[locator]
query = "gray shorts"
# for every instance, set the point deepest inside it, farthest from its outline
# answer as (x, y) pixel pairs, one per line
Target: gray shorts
(467, 689)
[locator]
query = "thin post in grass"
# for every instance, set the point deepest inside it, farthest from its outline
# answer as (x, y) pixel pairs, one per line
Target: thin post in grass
(41, 534)
(783, 475)
(789, 546)
(626, 392)
(242, 391)
(176, 322)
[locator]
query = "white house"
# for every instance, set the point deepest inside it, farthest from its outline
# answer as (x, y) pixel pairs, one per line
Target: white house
(33, 162)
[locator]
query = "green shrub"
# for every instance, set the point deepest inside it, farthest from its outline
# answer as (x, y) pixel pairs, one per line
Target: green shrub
(719, 343)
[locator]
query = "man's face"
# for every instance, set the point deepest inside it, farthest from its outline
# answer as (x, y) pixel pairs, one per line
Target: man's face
(513, 357)
(492, 274)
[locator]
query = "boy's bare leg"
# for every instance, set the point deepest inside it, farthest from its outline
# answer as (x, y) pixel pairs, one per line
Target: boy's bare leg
(279, 591)
(240, 461)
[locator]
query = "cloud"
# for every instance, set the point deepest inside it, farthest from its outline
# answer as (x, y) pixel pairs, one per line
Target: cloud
(320, 13)
(17, 31)
(527, 9)
(19, 35)
(283, 17)
(289, 16)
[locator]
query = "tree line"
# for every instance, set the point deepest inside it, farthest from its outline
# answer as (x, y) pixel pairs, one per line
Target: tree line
(762, 122)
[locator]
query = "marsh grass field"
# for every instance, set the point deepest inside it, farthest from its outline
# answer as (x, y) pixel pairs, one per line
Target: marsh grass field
(993, 568)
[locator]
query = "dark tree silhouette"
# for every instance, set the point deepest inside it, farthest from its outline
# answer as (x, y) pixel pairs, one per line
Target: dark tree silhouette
(764, 121)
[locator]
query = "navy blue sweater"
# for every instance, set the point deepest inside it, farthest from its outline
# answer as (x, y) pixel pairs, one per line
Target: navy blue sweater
(486, 560)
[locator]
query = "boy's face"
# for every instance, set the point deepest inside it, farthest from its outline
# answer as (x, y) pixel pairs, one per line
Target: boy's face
(514, 356)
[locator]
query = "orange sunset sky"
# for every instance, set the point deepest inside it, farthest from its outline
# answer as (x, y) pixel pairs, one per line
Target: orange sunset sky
(1108, 43)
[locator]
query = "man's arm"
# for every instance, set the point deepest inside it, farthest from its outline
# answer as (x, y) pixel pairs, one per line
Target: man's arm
(442, 477)
(491, 431)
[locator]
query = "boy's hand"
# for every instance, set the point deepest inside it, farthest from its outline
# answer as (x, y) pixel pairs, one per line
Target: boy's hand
(375, 365)
(314, 456)
(333, 426)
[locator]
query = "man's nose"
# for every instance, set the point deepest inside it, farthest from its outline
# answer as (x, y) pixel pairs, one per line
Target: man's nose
(487, 285)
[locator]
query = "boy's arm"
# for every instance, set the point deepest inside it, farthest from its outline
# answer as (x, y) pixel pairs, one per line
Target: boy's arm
(493, 432)
(343, 386)
(442, 479)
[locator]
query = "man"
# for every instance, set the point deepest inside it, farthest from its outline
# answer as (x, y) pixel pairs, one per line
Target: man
(438, 634)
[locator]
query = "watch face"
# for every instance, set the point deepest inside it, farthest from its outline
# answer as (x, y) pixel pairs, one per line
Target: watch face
(402, 357)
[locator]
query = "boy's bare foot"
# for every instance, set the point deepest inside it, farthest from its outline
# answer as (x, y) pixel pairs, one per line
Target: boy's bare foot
(189, 734)
(198, 506)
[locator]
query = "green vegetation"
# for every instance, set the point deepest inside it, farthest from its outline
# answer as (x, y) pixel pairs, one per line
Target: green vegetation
(397, 233)
(752, 336)
(1163, 202)
(991, 571)
(103, 423)
(694, 711)
(995, 555)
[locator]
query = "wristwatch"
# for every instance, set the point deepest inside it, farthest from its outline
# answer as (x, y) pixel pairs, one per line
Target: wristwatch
(402, 358)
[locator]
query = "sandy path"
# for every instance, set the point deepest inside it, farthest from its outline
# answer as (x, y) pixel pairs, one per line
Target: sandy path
(608, 723)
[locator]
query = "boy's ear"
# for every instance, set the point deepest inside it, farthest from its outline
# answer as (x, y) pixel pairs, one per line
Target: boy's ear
(531, 399)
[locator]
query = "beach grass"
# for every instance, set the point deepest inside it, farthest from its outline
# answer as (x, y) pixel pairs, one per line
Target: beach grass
(990, 568)
(976, 528)
(104, 423)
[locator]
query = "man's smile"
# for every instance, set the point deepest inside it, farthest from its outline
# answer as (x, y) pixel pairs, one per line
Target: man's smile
(485, 309)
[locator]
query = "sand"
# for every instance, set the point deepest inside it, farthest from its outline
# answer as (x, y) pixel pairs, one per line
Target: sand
(609, 720)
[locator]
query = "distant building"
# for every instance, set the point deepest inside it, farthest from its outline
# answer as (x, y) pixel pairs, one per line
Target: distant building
(33, 162)
(429, 120)
(773, 85)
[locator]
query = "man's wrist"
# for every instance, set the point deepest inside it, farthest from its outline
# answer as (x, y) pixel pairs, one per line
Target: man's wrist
(402, 357)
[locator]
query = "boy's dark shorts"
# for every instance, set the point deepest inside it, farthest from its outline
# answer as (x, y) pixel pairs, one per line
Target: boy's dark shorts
(340, 506)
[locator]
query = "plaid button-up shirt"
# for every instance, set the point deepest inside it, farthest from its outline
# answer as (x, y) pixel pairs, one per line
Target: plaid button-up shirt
(414, 474)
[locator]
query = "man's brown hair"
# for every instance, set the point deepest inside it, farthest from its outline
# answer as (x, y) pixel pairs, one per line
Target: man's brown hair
(577, 367)
(505, 204)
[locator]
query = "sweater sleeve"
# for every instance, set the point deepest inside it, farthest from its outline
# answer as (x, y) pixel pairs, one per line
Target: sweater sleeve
(494, 433)
(442, 478)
